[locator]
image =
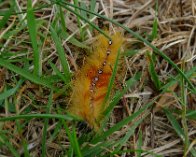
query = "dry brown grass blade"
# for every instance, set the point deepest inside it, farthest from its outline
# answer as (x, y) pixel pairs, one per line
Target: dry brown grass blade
(2, 79)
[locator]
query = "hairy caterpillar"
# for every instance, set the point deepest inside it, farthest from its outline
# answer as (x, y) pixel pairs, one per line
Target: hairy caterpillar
(91, 83)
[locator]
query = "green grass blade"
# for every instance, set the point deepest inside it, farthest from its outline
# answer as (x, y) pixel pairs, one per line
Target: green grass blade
(111, 83)
(116, 99)
(39, 8)
(92, 7)
(184, 103)
(61, 54)
(44, 136)
(33, 35)
(62, 17)
(26, 74)
(76, 144)
(12, 91)
(152, 71)
(119, 94)
(178, 129)
(130, 132)
(78, 19)
(73, 140)
(97, 149)
(191, 115)
(130, 53)
(83, 13)
(175, 124)
(73, 40)
(154, 30)
(155, 24)
(65, 35)
(6, 142)
(56, 70)
(6, 16)
(26, 151)
(64, 4)
(56, 131)
(175, 79)
(121, 123)
(121, 152)
(44, 116)
(139, 144)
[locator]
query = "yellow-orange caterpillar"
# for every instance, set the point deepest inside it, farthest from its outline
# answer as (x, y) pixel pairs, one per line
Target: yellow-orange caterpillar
(91, 83)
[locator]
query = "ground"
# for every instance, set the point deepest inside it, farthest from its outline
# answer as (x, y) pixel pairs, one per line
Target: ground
(44, 43)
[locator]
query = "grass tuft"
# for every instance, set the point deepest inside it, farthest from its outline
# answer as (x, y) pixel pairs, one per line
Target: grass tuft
(43, 44)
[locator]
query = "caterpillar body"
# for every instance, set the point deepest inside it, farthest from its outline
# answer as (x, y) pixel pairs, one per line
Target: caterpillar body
(91, 83)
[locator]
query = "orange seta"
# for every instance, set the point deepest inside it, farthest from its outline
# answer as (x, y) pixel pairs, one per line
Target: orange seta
(92, 80)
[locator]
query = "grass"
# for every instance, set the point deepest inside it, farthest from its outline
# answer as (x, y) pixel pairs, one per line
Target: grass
(62, 56)
(44, 43)
(31, 23)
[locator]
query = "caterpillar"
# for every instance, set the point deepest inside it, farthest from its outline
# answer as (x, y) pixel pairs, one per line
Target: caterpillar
(92, 80)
